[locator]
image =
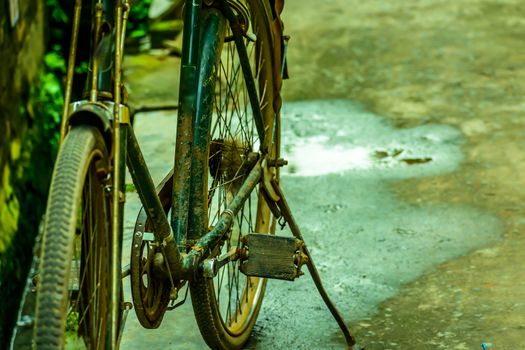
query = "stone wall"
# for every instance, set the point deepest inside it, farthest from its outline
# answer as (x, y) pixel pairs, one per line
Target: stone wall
(25, 162)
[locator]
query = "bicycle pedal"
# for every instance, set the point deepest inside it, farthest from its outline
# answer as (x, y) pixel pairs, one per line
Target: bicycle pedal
(270, 256)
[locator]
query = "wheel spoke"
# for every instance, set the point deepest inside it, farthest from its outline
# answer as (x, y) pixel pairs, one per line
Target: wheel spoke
(234, 125)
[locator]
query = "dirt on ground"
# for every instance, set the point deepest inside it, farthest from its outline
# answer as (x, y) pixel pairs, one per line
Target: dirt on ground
(460, 63)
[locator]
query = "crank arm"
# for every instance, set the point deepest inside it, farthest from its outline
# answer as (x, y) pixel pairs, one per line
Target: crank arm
(210, 267)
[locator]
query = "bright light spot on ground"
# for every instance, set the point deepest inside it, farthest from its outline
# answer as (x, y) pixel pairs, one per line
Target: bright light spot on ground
(312, 158)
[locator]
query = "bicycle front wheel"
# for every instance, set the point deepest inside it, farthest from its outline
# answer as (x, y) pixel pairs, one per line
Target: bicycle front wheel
(226, 307)
(72, 304)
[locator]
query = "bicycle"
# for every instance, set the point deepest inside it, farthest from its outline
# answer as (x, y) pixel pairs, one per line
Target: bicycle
(222, 197)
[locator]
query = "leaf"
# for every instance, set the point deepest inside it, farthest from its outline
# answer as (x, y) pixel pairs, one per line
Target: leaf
(137, 33)
(55, 61)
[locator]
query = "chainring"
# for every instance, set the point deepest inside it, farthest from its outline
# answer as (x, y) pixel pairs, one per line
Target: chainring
(150, 291)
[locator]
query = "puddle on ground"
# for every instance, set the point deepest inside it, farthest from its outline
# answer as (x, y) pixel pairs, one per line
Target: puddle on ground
(327, 137)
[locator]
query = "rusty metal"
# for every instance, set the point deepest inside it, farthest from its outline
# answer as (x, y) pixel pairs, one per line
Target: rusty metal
(242, 14)
(158, 246)
(117, 155)
(150, 308)
(125, 14)
(164, 189)
(150, 292)
(284, 64)
(180, 303)
(186, 113)
(210, 267)
(70, 68)
(125, 117)
(126, 306)
(148, 196)
(211, 40)
(93, 92)
(126, 271)
(272, 256)
(206, 243)
(96, 114)
(269, 176)
(277, 163)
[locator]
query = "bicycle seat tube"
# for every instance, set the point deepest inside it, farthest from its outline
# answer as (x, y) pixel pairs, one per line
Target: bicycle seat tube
(186, 113)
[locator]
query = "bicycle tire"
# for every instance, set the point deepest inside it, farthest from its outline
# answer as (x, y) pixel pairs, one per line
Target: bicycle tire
(223, 324)
(72, 302)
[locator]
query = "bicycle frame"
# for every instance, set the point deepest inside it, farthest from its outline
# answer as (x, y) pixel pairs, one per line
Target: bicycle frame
(185, 239)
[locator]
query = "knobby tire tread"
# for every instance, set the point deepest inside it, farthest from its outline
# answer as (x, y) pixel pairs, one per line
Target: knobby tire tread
(66, 187)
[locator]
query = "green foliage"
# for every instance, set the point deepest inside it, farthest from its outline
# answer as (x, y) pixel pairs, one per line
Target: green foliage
(55, 62)
(72, 322)
(57, 13)
(58, 24)
(30, 176)
(138, 23)
(130, 188)
(32, 150)
(46, 99)
(82, 68)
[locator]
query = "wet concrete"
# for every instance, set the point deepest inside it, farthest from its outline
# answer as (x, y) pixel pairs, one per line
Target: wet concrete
(366, 241)
(455, 63)
(142, 76)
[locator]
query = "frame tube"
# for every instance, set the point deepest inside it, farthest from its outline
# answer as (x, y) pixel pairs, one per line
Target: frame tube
(151, 202)
(208, 241)
(119, 154)
(70, 68)
(186, 112)
(211, 40)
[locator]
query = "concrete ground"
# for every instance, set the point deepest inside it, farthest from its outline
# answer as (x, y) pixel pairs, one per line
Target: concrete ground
(402, 123)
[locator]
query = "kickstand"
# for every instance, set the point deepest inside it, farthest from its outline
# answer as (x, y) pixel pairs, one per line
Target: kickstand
(287, 214)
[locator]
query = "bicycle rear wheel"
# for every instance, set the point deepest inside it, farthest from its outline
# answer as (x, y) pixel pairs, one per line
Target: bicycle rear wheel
(226, 307)
(72, 305)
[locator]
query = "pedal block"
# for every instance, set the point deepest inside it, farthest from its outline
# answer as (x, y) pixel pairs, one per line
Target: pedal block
(270, 256)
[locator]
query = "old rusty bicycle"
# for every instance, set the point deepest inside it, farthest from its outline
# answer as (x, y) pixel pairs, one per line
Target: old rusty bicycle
(209, 223)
